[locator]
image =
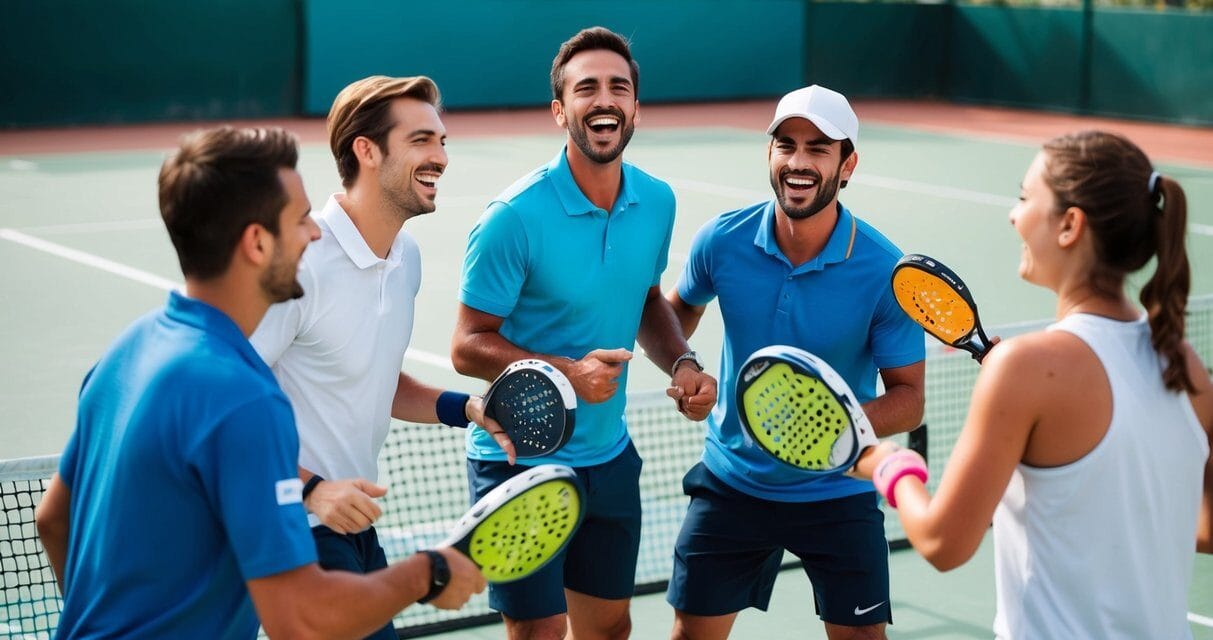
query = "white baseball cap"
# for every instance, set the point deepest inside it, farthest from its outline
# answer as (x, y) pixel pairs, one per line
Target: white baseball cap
(828, 110)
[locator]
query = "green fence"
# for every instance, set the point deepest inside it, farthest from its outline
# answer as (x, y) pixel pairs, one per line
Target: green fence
(77, 61)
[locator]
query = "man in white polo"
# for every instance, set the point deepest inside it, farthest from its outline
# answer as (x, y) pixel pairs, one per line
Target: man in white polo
(337, 351)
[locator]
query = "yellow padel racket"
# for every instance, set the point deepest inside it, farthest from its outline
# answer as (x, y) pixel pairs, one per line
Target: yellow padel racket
(936, 298)
(796, 408)
(518, 527)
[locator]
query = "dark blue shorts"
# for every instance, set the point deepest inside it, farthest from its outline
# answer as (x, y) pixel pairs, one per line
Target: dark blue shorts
(600, 560)
(355, 552)
(731, 545)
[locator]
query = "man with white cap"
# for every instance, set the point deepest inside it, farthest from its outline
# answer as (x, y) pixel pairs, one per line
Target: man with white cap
(798, 270)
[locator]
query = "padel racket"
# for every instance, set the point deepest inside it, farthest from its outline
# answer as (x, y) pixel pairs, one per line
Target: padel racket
(536, 406)
(795, 407)
(518, 527)
(936, 298)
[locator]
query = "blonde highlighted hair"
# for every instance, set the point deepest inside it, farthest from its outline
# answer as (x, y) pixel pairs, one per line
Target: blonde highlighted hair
(363, 109)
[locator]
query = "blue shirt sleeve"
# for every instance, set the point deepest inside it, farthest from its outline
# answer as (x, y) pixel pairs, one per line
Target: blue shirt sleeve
(897, 340)
(695, 285)
(249, 470)
(495, 264)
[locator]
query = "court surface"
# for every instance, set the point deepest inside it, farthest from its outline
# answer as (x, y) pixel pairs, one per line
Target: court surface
(82, 253)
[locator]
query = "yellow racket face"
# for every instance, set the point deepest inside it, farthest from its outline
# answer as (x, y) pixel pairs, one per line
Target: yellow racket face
(932, 303)
(525, 533)
(796, 418)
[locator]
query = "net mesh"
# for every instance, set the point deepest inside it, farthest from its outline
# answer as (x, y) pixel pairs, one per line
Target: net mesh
(425, 467)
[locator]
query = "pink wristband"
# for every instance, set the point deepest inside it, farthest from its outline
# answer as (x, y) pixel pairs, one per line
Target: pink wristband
(905, 462)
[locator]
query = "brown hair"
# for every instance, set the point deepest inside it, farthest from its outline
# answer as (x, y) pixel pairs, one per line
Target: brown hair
(1132, 218)
(591, 39)
(363, 109)
(218, 183)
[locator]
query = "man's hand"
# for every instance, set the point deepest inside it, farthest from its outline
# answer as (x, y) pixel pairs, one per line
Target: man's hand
(346, 506)
(595, 377)
(693, 391)
(466, 580)
(474, 410)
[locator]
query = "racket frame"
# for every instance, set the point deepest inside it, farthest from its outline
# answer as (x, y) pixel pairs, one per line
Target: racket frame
(512, 489)
(861, 433)
(975, 341)
(567, 396)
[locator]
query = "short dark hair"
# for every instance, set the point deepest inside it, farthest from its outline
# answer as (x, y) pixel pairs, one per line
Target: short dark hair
(592, 39)
(217, 183)
(363, 109)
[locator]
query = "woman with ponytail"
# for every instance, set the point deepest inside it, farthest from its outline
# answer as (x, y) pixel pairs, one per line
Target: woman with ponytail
(1086, 444)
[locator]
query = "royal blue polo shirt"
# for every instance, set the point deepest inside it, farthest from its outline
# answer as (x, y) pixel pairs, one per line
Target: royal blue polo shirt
(569, 277)
(184, 483)
(838, 306)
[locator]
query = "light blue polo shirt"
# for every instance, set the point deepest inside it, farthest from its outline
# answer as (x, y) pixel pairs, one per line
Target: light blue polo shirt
(184, 483)
(838, 306)
(568, 278)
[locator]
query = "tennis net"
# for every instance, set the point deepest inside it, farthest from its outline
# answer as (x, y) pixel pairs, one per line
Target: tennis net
(425, 468)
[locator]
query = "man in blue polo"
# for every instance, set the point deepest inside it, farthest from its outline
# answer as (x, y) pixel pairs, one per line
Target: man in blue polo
(799, 270)
(565, 266)
(177, 511)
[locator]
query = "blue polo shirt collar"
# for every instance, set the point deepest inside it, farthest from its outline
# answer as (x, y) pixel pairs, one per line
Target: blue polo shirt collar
(837, 249)
(196, 313)
(572, 199)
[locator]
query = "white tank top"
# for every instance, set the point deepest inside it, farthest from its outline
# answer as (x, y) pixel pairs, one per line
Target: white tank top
(1104, 547)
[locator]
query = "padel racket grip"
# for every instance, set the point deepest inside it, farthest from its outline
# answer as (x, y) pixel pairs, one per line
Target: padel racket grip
(904, 462)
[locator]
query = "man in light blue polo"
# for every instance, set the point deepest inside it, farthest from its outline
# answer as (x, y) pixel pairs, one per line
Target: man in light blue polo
(565, 266)
(799, 270)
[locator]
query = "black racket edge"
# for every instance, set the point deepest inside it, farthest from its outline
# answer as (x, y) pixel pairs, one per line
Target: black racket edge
(521, 451)
(975, 342)
(801, 369)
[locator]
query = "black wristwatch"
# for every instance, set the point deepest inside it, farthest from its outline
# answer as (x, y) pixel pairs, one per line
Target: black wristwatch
(688, 356)
(440, 575)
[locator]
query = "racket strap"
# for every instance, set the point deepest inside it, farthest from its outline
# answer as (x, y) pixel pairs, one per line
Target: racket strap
(450, 408)
(902, 463)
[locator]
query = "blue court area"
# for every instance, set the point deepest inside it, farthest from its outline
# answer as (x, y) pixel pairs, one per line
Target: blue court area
(82, 253)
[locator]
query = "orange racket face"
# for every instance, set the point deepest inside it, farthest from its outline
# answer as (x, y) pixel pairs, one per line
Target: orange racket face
(933, 303)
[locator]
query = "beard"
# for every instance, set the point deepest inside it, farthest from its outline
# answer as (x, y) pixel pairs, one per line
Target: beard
(579, 132)
(279, 282)
(827, 190)
(404, 199)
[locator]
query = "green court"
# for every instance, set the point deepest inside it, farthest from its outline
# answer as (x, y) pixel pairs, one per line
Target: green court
(82, 253)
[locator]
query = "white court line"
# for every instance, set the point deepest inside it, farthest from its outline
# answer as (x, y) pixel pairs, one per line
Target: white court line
(1201, 620)
(92, 227)
(90, 260)
(1201, 229)
(143, 277)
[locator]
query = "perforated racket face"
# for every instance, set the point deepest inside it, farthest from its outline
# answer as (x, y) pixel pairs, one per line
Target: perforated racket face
(797, 418)
(531, 409)
(932, 302)
(525, 533)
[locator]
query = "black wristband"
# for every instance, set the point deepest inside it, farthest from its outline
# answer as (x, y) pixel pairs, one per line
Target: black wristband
(310, 485)
(451, 408)
(440, 575)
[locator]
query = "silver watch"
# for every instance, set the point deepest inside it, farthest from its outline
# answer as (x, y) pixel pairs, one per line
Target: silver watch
(688, 356)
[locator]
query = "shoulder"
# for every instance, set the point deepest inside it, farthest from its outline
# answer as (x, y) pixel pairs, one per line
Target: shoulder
(1202, 395)
(741, 222)
(646, 184)
(536, 184)
(1038, 363)
(873, 244)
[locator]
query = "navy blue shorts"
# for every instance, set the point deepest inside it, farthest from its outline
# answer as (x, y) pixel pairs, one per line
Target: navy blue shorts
(731, 545)
(356, 552)
(600, 560)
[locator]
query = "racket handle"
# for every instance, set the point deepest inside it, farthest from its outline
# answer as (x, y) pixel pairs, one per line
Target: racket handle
(902, 463)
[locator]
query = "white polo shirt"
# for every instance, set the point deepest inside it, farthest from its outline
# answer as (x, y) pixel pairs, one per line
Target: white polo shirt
(337, 351)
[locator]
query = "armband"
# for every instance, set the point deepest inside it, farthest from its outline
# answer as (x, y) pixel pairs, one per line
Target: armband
(451, 408)
(898, 465)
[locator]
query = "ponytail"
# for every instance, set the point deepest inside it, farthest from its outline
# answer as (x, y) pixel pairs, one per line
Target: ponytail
(1165, 296)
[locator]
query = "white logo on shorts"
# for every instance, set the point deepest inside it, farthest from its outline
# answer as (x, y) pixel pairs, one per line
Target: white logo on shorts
(289, 491)
(860, 612)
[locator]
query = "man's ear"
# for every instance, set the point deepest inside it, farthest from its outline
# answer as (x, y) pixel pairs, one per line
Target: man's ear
(256, 245)
(558, 114)
(848, 168)
(367, 152)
